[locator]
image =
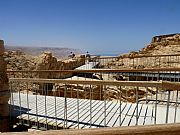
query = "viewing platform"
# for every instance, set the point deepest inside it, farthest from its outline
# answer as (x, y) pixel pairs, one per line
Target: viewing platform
(84, 113)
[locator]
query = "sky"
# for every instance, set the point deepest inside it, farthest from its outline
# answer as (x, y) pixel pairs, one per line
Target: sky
(97, 26)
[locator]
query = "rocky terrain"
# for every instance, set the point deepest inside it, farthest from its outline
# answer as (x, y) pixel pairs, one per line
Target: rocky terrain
(24, 59)
(160, 45)
(18, 60)
(163, 44)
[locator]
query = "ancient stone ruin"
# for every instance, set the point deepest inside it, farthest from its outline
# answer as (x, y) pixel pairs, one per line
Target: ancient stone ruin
(160, 45)
(47, 61)
(17, 60)
(162, 40)
(4, 92)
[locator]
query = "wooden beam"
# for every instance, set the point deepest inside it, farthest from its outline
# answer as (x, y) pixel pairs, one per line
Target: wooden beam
(137, 56)
(100, 70)
(170, 85)
(167, 129)
(91, 82)
(165, 85)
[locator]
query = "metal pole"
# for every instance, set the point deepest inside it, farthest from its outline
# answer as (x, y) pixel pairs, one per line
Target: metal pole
(55, 108)
(20, 104)
(46, 89)
(78, 105)
(37, 110)
(146, 94)
(65, 106)
(104, 105)
(156, 105)
(28, 103)
(120, 107)
(176, 106)
(167, 112)
(137, 89)
(90, 106)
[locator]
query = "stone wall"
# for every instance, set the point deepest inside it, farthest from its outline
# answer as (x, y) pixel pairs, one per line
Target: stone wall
(4, 92)
(168, 37)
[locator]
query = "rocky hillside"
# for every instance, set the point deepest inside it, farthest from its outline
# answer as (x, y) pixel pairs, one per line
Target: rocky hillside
(163, 44)
(17, 60)
(160, 45)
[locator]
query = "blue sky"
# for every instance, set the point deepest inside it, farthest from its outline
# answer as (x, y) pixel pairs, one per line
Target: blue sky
(97, 26)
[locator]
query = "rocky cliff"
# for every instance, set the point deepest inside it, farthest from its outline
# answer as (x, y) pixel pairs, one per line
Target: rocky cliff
(163, 44)
(160, 45)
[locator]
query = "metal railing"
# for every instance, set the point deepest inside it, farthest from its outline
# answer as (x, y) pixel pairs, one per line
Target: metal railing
(59, 103)
(153, 74)
(62, 99)
(133, 61)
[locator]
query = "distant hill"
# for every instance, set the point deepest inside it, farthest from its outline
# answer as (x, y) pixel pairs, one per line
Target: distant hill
(35, 51)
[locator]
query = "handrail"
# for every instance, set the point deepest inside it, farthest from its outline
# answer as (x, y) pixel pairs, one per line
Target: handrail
(164, 129)
(140, 56)
(92, 82)
(136, 56)
(100, 70)
(165, 85)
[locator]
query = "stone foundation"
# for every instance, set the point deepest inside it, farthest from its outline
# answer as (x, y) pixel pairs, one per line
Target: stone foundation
(4, 93)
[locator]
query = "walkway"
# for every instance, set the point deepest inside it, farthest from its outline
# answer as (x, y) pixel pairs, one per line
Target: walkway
(88, 66)
(84, 113)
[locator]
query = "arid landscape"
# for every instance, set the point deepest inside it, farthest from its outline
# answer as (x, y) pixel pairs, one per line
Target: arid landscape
(160, 45)
(167, 44)
(27, 58)
(90, 67)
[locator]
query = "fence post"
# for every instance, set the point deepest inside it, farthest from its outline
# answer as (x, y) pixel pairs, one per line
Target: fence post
(4, 93)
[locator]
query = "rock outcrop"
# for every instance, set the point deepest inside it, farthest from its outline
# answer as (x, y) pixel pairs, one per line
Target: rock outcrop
(47, 61)
(163, 41)
(94, 92)
(160, 45)
(4, 92)
(17, 60)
